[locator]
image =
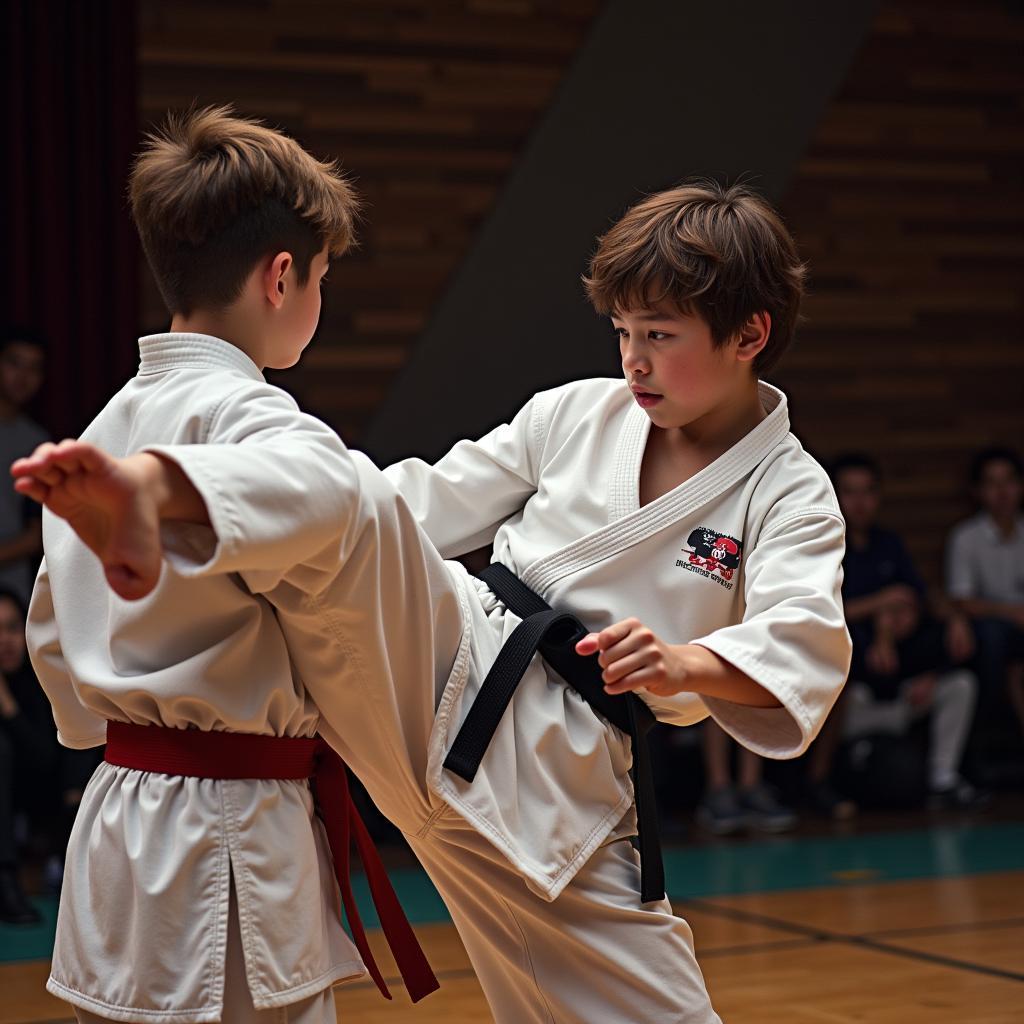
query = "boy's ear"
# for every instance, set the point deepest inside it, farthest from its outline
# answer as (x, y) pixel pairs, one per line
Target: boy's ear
(274, 284)
(754, 335)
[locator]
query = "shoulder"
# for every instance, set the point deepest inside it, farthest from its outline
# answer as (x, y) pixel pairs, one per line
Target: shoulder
(580, 396)
(579, 414)
(793, 484)
(245, 407)
(562, 408)
(968, 531)
(200, 405)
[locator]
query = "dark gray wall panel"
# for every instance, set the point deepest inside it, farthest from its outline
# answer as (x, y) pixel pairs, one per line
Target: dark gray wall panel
(660, 91)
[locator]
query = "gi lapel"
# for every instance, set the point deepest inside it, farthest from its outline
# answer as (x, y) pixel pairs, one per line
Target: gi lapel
(630, 524)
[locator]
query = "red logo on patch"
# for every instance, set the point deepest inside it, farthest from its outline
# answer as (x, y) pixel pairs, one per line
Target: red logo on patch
(715, 552)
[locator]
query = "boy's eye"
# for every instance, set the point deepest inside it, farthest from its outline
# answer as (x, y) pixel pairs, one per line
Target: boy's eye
(620, 332)
(657, 335)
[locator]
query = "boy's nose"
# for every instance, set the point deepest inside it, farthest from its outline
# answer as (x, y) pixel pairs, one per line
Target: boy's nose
(633, 358)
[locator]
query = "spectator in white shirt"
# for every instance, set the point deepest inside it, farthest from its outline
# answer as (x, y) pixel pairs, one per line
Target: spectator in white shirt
(985, 573)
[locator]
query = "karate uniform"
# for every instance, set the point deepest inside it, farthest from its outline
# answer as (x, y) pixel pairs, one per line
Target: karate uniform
(317, 601)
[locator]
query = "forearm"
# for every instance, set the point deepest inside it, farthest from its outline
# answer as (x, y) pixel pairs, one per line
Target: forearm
(709, 675)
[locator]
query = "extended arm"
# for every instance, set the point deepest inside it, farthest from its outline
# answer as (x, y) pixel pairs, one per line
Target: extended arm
(463, 498)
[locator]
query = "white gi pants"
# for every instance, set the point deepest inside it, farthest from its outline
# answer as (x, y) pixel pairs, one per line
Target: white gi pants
(951, 710)
(238, 1008)
(595, 955)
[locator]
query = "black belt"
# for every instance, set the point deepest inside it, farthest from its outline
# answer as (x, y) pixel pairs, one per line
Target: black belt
(555, 635)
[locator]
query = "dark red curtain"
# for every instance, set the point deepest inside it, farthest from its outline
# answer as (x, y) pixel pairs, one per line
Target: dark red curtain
(69, 106)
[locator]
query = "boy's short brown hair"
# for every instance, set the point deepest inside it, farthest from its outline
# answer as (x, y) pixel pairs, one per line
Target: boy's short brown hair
(213, 193)
(720, 252)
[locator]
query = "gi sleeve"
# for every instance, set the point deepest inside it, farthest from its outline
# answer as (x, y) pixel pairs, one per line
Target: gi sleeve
(462, 500)
(792, 640)
(279, 486)
(77, 726)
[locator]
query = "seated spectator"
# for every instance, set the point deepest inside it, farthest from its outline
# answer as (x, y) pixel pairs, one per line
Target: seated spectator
(906, 662)
(750, 802)
(21, 374)
(985, 574)
(28, 753)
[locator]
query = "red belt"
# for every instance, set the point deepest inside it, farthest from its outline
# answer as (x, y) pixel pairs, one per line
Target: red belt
(236, 755)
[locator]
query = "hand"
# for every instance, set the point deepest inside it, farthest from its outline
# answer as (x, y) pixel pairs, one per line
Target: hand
(633, 658)
(921, 690)
(882, 659)
(959, 638)
(112, 504)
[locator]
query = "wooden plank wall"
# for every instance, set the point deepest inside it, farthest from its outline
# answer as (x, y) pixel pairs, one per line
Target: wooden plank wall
(908, 204)
(427, 101)
(909, 207)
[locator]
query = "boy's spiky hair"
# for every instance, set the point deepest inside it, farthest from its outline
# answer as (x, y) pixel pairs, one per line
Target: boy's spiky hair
(213, 193)
(718, 251)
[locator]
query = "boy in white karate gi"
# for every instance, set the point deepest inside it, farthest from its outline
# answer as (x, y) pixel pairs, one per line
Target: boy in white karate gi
(198, 884)
(678, 497)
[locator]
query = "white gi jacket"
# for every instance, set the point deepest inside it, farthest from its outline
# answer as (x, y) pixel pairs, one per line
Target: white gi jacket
(142, 923)
(744, 558)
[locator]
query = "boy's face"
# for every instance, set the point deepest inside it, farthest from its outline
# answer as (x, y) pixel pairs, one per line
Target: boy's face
(21, 372)
(858, 493)
(1000, 489)
(676, 372)
(297, 319)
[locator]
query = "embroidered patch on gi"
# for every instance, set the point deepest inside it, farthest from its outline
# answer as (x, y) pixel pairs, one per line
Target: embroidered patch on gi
(714, 555)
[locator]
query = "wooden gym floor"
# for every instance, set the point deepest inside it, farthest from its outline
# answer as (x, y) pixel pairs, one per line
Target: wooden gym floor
(910, 929)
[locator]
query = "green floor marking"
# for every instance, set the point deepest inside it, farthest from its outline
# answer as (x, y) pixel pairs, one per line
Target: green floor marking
(728, 868)
(808, 863)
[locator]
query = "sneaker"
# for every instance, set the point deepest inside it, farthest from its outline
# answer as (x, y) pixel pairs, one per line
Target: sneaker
(824, 801)
(720, 813)
(764, 811)
(961, 796)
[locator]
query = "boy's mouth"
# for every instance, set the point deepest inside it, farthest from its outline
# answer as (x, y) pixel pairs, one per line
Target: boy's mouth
(646, 398)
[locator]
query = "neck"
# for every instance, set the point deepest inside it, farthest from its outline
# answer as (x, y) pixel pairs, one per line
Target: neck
(718, 430)
(8, 410)
(230, 326)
